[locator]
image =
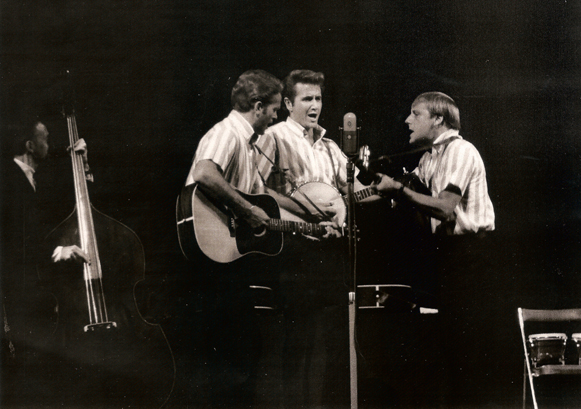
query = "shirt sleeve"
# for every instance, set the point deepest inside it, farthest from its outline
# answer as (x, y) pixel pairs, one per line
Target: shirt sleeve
(419, 171)
(218, 146)
(459, 165)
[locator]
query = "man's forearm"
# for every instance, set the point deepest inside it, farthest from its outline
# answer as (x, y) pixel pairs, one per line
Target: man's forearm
(441, 208)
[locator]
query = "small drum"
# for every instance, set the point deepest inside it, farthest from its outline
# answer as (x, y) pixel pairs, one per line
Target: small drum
(547, 349)
(577, 340)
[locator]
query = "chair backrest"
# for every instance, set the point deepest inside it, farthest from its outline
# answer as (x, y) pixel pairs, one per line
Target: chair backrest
(566, 316)
(550, 320)
(571, 314)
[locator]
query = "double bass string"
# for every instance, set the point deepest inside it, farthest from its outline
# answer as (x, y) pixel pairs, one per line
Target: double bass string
(92, 271)
(109, 355)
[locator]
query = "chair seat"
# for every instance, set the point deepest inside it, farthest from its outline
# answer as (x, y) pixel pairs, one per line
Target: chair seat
(557, 370)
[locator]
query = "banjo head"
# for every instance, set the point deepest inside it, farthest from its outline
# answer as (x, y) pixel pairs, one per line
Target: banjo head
(322, 194)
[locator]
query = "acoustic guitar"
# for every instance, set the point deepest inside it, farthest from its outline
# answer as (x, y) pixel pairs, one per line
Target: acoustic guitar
(205, 225)
(222, 237)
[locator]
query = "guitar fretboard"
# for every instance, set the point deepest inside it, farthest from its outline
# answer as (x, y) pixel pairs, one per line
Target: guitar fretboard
(297, 227)
(364, 194)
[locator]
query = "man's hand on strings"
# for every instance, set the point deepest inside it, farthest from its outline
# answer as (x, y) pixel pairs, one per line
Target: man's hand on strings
(334, 212)
(386, 184)
(73, 253)
(256, 217)
(329, 210)
(82, 149)
(332, 230)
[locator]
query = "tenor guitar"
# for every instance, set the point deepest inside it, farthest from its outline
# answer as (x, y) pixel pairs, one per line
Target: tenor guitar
(206, 225)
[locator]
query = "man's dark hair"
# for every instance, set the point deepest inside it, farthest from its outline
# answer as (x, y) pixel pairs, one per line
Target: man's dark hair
(254, 86)
(303, 77)
(20, 132)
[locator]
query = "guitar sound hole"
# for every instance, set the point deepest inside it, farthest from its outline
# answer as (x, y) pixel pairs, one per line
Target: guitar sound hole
(259, 231)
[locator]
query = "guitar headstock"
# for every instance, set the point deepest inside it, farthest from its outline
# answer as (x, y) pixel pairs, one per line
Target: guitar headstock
(366, 174)
(364, 154)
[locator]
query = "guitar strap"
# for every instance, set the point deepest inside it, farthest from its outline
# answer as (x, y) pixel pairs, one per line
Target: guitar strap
(332, 164)
(274, 166)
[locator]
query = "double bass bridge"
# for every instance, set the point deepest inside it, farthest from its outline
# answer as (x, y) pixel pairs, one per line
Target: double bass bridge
(99, 326)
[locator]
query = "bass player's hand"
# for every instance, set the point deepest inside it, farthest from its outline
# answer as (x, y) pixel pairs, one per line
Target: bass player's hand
(74, 253)
(82, 149)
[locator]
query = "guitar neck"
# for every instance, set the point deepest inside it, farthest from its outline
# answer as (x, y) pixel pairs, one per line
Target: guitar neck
(311, 229)
(364, 193)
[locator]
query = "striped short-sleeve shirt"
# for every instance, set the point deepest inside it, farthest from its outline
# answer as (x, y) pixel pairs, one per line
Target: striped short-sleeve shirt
(227, 144)
(455, 161)
(286, 144)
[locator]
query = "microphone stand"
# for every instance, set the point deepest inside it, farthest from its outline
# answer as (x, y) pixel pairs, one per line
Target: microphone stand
(349, 147)
(352, 234)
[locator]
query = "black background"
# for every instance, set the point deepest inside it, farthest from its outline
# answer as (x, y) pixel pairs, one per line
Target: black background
(151, 77)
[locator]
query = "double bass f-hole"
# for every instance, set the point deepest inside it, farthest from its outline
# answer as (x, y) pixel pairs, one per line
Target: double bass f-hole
(93, 277)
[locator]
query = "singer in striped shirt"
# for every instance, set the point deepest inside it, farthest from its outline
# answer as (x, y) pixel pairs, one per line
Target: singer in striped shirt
(453, 170)
(224, 164)
(312, 273)
(462, 219)
(296, 151)
(224, 160)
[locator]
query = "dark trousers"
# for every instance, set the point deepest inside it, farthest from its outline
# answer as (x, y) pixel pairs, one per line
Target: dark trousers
(475, 324)
(217, 334)
(314, 301)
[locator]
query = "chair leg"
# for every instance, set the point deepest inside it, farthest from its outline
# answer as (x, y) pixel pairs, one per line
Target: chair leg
(524, 387)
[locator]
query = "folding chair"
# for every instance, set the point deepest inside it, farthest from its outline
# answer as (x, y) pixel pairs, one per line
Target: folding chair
(545, 353)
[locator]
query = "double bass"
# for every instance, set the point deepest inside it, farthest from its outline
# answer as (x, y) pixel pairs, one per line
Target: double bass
(106, 354)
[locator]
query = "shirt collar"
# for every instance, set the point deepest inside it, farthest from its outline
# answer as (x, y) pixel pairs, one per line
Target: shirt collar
(25, 167)
(244, 125)
(439, 143)
(318, 131)
(28, 171)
